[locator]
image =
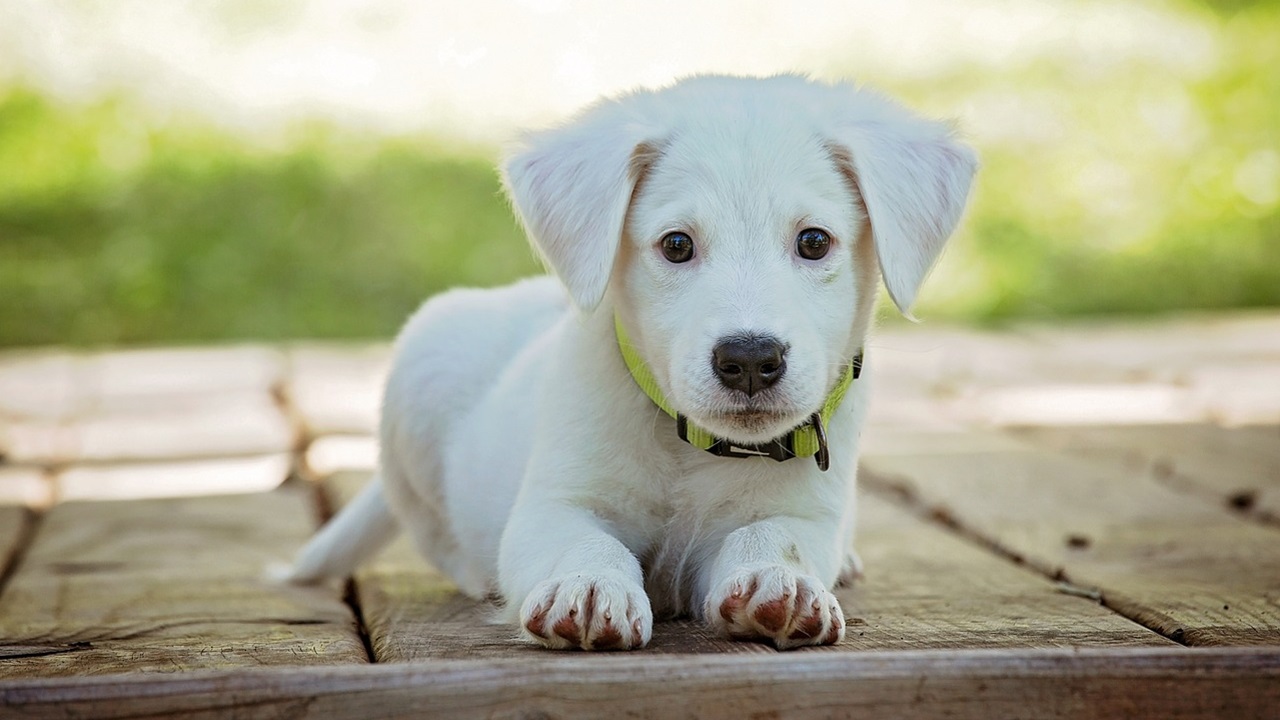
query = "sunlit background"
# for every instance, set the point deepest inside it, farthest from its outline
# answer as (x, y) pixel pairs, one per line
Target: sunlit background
(193, 171)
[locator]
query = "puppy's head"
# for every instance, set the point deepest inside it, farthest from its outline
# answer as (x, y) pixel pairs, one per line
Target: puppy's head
(736, 226)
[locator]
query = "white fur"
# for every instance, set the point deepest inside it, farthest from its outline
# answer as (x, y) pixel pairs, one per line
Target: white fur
(523, 458)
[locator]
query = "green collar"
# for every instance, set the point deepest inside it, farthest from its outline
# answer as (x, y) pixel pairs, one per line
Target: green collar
(807, 440)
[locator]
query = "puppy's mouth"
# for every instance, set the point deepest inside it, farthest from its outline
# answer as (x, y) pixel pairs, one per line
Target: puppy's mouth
(754, 424)
(749, 415)
(753, 420)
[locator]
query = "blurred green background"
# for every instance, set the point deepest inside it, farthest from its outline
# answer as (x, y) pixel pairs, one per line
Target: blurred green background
(1105, 189)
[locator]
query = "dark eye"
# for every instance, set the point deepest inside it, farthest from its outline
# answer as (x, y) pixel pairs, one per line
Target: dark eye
(677, 247)
(813, 244)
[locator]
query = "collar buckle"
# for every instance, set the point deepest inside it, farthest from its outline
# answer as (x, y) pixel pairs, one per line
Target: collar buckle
(823, 456)
(778, 449)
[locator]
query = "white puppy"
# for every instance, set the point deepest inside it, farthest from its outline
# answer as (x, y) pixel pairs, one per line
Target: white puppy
(622, 450)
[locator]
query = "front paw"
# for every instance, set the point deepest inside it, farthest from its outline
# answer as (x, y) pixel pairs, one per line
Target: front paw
(776, 605)
(592, 612)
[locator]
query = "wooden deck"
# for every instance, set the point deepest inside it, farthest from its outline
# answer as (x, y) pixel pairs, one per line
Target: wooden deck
(1057, 522)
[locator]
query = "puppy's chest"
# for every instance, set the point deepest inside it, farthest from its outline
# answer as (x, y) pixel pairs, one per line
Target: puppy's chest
(687, 496)
(732, 491)
(699, 509)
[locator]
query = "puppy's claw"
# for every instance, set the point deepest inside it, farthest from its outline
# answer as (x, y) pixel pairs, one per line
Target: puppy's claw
(776, 609)
(580, 609)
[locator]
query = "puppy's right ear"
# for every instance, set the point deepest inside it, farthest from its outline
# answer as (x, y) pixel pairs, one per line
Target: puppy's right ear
(571, 187)
(913, 176)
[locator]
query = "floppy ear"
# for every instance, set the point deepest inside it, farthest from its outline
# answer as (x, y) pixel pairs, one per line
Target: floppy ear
(571, 187)
(914, 179)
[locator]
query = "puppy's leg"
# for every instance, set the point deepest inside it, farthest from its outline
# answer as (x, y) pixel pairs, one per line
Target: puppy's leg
(361, 529)
(851, 571)
(765, 586)
(577, 586)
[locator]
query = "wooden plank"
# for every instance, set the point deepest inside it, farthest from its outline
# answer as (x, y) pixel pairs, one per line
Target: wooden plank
(942, 357)
(1239, 393)
(39, 383)
(39, 441)
(1160, 348)
(1067, 403)
(332, 454)
(55, 384)
(141, 404)
(25, 485)
(1238, 467)
(126, 381)
(228, 424)
(925, 589)
(216, 476)
(926, 372)
(13, 521)
(337, 388)
(1177, 684)
(1214, 368)
(877, 439)
(1189, 570)
(169, 585)
(950, 379)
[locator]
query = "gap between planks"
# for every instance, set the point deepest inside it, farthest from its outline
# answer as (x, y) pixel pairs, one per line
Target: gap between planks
(1190, 571)
(13, 547)
(163, 585)
(350, 593)
(906, 498)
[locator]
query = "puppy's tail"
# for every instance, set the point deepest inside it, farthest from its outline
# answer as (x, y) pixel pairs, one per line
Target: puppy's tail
(361, 529)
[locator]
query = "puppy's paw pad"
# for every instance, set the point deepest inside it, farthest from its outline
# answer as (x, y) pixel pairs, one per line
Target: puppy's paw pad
(776, 605)
(773, 615)
(588, 612)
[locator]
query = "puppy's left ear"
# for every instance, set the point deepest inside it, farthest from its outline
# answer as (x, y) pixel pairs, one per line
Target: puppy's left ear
(914, 179)
(571, 187)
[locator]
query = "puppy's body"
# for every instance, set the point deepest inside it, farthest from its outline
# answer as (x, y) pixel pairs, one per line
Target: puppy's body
(523, 456)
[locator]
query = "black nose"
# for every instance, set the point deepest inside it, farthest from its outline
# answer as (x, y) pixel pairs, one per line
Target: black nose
(749, 363)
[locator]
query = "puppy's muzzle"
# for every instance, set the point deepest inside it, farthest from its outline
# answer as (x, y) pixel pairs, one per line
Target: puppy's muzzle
(749, 363)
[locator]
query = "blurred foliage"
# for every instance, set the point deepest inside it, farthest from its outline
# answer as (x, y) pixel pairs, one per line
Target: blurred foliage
(115, 233)
(1137, 188)
(1117, 189)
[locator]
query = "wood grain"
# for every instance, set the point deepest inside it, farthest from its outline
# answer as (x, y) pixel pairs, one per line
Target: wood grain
(1236, 467)
(925, 588)
(1188, 569)
(13, 521)
(169, 585)
(1169, 684)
